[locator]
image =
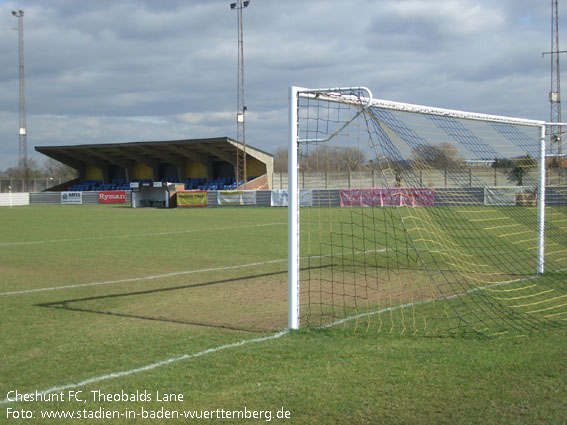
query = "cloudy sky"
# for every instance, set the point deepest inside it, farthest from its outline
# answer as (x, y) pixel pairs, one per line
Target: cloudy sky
(135, 70)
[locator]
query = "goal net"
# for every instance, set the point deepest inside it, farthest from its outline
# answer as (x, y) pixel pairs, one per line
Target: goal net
(421, 220)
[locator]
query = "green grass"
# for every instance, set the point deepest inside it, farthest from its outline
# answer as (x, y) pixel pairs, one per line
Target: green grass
(59, 337)
(417, 254)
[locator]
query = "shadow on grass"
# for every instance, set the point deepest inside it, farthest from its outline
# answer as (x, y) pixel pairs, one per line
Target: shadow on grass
(71, 304)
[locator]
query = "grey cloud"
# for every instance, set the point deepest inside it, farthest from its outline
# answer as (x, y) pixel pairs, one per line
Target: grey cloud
(125, 70)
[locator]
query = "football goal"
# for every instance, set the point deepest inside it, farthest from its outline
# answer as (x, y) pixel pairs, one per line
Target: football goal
(420, 219)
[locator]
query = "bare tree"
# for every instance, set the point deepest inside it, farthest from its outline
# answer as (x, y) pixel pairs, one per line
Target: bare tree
(56, 169)
(333, 158)
(33, 171)
(444, 156)
(51, 168)
(280, 160)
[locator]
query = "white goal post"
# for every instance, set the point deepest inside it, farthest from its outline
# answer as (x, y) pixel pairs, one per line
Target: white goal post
(360, 99)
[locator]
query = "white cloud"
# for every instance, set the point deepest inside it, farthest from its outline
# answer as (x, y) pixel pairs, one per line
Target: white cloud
(110, 71)
(205, 117)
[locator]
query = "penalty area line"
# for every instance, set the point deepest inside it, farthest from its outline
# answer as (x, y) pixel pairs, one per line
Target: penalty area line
(150, 366)
(173, 274)
(137, 279)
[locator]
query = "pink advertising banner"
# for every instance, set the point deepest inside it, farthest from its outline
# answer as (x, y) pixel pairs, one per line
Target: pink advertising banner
(388, 197)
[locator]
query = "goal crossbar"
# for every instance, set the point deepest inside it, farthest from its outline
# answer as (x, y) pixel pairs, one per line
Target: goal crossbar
(361, 99)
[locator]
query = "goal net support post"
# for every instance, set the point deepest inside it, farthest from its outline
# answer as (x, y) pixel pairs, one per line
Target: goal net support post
(293, 186)
(399, 221)
(293, 213)
(541, 204)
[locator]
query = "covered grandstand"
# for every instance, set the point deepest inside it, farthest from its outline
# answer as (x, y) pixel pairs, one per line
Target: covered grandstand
(204, 164)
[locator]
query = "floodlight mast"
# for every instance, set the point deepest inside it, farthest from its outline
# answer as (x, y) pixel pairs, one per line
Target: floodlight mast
(240, 172)
(23, 143)
(555, 132)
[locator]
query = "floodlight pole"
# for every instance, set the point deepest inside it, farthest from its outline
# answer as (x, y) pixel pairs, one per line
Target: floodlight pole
(555, 93)
(23, 143)
(241, 175)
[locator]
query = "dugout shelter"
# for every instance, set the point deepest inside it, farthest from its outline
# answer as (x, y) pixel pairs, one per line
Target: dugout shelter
(206, 161)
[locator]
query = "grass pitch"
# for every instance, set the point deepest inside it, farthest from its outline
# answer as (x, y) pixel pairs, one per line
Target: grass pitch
(126, 301)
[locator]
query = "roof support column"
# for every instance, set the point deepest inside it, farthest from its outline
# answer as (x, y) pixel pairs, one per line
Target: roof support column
(128, 172)
(155, 171)
(82, 169)
(105, 174)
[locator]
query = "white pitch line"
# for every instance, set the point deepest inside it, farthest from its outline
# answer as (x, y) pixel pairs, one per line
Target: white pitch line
(224, 347)
(152, 366)
(166, 275)
(374, 312)
(135, 235)
(137, 279)
(236, 344)
(427, 301)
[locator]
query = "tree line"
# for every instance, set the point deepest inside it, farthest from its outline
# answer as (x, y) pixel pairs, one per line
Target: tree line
(443, 156)
(35, 170)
